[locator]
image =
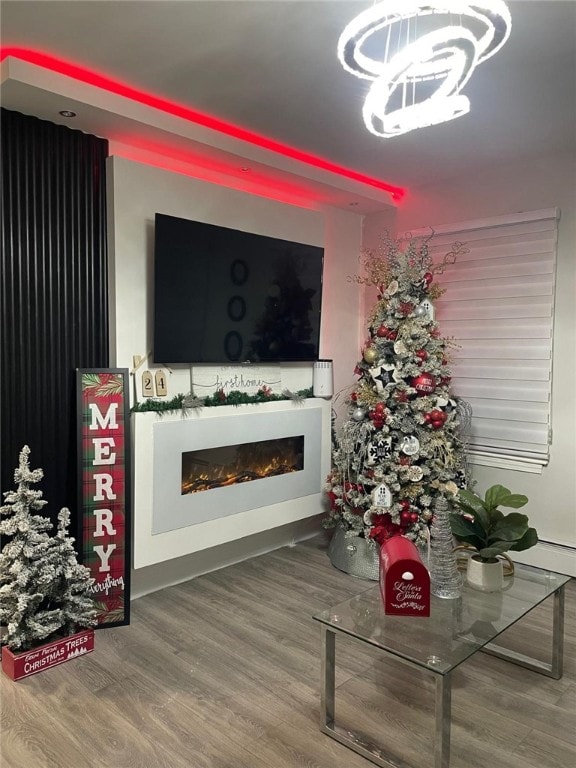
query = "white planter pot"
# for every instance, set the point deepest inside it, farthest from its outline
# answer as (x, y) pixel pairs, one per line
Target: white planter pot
(487, 577)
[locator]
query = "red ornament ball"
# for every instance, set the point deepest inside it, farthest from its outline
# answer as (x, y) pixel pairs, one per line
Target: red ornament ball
(413, 517)
(379, 407)
(406, 308)
(424, 384)
(405, 517)
(428, 277)
(422, 355)
(382, 332)
(437, 418)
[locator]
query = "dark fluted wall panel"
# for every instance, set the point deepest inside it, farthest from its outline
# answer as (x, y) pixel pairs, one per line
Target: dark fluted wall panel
(54, 311)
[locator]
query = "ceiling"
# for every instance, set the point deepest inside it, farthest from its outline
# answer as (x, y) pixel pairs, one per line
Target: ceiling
(270, 66)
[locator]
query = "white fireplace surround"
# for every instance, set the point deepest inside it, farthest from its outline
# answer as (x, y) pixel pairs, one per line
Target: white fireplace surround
(168, 524)
(172, 439)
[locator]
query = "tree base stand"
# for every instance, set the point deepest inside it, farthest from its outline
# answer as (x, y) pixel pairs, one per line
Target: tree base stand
(354, 555)
(20, 665)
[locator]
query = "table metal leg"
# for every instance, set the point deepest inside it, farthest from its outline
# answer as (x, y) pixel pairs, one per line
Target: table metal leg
(443, 718)
(555, 668)
(363, 744)
(328, 678)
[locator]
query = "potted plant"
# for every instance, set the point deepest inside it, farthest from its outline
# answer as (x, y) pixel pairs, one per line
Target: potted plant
(482, 526)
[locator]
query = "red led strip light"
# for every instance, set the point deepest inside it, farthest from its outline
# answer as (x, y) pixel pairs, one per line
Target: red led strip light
(193, 116)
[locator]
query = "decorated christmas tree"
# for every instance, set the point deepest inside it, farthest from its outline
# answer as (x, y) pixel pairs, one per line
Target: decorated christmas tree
(401, 447)
(44, 592)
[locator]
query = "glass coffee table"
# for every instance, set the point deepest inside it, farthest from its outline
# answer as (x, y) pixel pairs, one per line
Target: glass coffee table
(455, 630)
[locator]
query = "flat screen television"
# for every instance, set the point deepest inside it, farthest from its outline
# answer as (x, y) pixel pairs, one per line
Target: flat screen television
(225, 296)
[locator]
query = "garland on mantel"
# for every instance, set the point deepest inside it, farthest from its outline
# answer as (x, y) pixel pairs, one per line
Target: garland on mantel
(185, 403)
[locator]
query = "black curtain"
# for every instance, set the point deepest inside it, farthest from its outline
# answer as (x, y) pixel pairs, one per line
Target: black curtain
(54, 286)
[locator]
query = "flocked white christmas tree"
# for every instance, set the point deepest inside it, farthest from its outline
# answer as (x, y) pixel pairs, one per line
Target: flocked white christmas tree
(78, 607)
(401, 447)
(44, 591)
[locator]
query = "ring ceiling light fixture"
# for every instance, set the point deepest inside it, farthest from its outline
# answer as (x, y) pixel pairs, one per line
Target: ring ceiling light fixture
(419, 55)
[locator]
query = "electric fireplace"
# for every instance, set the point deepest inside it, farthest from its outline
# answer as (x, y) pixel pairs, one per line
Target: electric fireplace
(168, 524)
(220, 467)
(209, 468)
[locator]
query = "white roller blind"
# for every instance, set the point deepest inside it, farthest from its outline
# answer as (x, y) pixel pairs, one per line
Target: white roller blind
(499, 308)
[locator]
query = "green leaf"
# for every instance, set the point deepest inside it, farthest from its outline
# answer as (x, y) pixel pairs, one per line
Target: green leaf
(467, 531)
(470, 498)
(468, 508)
(515, 501)
(530, 539)
(474, 541)
(496, 548)
(473, 505)
(495, 495)
(509, 528)
(495, 516)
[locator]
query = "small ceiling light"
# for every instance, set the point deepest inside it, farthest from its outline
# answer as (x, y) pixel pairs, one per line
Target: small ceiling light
(428, 53)
(245, 169)
(67, 113)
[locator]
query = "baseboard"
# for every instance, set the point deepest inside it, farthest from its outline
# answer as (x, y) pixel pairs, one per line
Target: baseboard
(553, 557)
(155, 577)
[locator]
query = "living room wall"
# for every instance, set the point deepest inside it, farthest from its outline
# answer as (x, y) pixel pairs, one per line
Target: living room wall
(540, 182)
(135, 193)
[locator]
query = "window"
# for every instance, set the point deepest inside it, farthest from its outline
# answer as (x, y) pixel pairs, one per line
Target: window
(499, 308)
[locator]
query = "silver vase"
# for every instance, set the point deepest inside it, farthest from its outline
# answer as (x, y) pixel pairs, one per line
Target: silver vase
(354, 555)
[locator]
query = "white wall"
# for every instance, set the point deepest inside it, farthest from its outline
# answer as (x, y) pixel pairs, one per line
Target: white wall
(135, 193)
(540, 182)
(342, 303)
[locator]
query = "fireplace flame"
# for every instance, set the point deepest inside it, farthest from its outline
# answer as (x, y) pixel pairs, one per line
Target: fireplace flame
(204, 470)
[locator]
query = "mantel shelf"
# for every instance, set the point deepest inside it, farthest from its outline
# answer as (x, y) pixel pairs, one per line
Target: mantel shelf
(162, 512)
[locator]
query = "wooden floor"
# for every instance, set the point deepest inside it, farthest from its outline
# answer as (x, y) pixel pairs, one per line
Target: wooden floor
(223, 672)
